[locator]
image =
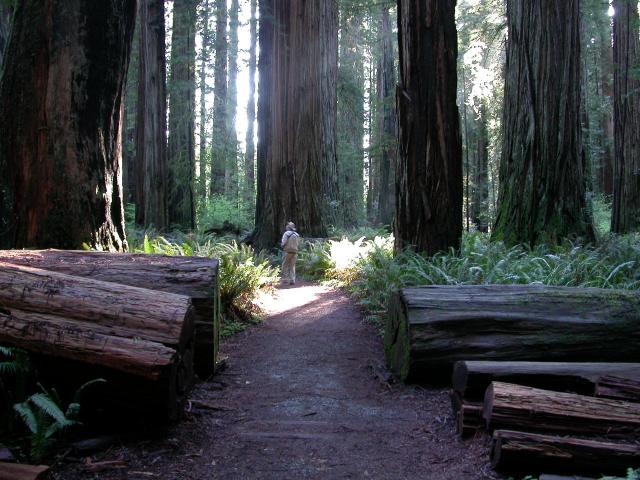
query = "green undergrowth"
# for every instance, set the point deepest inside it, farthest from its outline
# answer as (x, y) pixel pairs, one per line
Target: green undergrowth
(370, 270)
(242, 273)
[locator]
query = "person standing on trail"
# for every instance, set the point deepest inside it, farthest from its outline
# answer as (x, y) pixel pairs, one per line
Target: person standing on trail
(289, 244)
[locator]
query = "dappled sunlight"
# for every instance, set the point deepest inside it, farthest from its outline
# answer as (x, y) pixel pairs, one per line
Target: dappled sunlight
(286, 299)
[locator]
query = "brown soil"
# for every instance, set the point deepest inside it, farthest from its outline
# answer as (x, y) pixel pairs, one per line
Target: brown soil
(305, 396)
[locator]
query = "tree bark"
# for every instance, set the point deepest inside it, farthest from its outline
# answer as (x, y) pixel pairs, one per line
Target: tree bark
(151, 137)
(508, 406)
(129, 120)
(385, 92)
(626, 117)
(619, 387)
(196, 278)
(542, 171)
(250, 153)
(16, 471)
(471, 378)
(429, 175)
(181, 150)
(430, 328)
(6, 14)
(60, 117)
(532, 453)
(219, 159)
(297, 118)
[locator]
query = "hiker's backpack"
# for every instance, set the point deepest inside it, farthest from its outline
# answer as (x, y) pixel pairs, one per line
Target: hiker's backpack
(292, 243)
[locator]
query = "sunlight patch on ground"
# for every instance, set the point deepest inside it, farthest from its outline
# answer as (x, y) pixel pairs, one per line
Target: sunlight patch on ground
(289, 298)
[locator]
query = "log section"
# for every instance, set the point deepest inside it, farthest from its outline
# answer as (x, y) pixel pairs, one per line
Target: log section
(15, 471)
(532, 453)
(620, 387)
(430, 328)
(471, 379)
(509, 406)
(195, 277)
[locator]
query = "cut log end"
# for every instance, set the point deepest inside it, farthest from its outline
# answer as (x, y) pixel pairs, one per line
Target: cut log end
(396, 341)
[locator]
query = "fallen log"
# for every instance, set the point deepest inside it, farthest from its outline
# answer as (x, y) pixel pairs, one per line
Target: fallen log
(15, 471)
(194, 277)
(620, 387)
(469, 419)
(534, 453)
(509, 406)
(137, 339)
(430, 328)
(470, 379)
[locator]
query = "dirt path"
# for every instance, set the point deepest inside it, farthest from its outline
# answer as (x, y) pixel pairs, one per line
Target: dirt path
(305, 397)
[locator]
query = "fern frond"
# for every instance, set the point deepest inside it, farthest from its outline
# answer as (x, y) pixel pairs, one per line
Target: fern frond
(27, 415)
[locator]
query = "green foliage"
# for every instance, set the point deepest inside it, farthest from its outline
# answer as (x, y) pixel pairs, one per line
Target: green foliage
(13, 361)
(44, 416)
(601, 214)
(372, 272)
(220, 209)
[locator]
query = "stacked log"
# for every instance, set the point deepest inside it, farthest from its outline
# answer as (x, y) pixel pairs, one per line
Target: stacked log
(15, 471)
(532, 452)
(193, 277)
(139, 340)
(430, 328)
(620, 387)
(508, 406)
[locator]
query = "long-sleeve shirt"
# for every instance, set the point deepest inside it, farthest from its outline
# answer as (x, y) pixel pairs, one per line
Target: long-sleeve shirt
(285, 237)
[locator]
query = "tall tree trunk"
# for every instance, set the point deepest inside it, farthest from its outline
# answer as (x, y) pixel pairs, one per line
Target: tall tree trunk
(373, 163)
(231, 141)
(388, 124)
(626, 114)
(429, 185)
(480, 191)
(542, 170)
(351, 116)
(606, 119)
(297, 118)
(203, 160)
(151, 137)
(6, 14)
(250, 153)
(219, 150)
(60, 118)
(182, 115)
(129, 176)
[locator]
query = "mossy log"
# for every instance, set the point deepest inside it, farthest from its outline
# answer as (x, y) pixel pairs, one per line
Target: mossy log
(509, 406)
(470, 379)
(430, 328)
(533, 453)
(194, 277)
(123, 332)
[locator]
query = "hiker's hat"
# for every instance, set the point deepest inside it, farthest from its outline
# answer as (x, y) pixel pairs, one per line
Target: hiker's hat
(291, 226)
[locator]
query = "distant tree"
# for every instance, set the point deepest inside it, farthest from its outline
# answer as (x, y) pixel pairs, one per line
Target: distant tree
(387, 123)
(626, 117)
(6, 14)
(351, 118)
(203, 157)
(429, 184)
(151, 126)
(480, 188)
(129, 117)
(296, 118)
(231, 138)
(250, 152)
(219, 157)
(542, 171)
(60, 118)
(181, 151)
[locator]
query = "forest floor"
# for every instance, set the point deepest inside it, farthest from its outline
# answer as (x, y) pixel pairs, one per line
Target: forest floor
(305, 396)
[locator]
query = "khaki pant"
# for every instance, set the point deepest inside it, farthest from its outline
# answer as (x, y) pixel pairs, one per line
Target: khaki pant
(289, 266)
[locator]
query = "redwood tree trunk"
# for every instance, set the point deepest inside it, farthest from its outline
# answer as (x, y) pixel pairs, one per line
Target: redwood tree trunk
(203, 158)
(181, 153)
(151, 136)
(626, 117)
(219, 158)
(429, 185)
(480, 190)
(542, 170)
(6, 13)
(388, 121)
(297, 118)
(231, 140)
(250, 153)
(60, 118)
